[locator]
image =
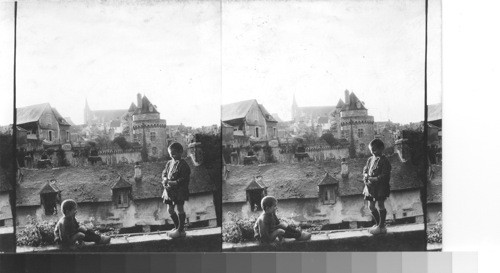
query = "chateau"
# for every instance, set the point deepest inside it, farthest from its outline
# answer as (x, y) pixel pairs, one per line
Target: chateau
(349, 120)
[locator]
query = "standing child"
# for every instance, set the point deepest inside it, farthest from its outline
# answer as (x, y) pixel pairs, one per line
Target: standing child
(268, 227)
(68, 232)
(176, 188)
(377, 174)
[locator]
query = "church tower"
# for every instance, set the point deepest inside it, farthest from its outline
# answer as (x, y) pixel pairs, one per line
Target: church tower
(86, 113)
(294, 108)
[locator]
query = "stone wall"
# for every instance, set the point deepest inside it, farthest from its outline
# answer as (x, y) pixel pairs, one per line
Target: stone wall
(140, 212)
(399, 205)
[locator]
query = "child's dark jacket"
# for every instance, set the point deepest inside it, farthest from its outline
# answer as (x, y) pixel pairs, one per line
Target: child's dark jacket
(177, 171)
(265, 225)
(381, 169)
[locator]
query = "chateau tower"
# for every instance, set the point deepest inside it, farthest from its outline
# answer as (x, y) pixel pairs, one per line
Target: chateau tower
(147, 126)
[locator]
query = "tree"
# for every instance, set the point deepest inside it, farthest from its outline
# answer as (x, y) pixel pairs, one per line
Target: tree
(330, 139)
(122, 142)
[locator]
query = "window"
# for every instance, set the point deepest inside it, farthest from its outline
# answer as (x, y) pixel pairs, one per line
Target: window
(327, 194)
(360, 133)
(67, 136)
(274, 131)
(122, 198)
(49, 202)
(50, 135)
(254, 198)
(362, 147)
(257, 132)
(152, 136)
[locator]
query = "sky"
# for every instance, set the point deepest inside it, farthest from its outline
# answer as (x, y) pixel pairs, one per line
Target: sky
(189, 57)
(316, 50)
(108, 52)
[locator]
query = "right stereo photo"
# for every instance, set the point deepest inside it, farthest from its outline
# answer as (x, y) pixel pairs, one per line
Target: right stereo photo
(324, 139)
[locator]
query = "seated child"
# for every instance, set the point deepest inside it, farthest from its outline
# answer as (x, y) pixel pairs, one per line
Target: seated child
(68, 232)
(175, 180)
(268, 227)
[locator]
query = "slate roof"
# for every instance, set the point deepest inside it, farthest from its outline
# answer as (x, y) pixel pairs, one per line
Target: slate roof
(328, 180)
(340, 104)
(108, 115)
(236, 110)
(266, 114)
(353, 99)
(49, 188)
(94, 183)
(69, 121)
(59, 117)
(255, 185)
(277, 117)
(435, 187)
(121, 184)
(145, 107)
(5, 184)
(33, 113)
(30, 113)
(300, 180)
(317, 110)
(132, 107)
(434, 112)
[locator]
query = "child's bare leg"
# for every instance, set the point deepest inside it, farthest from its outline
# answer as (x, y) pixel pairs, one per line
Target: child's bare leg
(277, 234)
(173, 215)
(182, 216)
(374, 211)
(78, 237)
(91, 236)
(383, 213)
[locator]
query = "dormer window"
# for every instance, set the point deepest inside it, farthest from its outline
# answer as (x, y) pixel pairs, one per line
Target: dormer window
(122, 193)
(328, 189)
(50, 196)
(256, 190)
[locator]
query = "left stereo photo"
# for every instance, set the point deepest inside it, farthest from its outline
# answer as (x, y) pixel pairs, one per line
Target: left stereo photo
(118, 136)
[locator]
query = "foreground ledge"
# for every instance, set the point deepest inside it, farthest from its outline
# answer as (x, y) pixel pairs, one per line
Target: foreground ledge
(196, 240)
(398, 238)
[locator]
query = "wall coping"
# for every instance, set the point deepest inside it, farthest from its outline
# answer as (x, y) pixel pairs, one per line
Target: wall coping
(120, 240)
(342, 238)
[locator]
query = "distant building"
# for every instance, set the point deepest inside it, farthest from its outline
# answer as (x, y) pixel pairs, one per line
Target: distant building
(250, 119)
(44, 123)
(147, 126)
(100, 117)
(348, 119)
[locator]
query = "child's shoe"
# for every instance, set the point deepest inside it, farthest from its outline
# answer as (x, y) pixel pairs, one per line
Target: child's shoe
(383, 230)
(375, 231)
(182, 233)
(105, 240)
(174, 234)
(171, 231)
(304, 236)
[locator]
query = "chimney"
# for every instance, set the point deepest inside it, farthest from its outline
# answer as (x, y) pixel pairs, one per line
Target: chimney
(347, 101)
(139, 100)
(344, 169)
(137, 172)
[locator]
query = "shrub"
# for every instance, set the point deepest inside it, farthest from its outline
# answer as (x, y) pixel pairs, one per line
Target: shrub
(435, 233)
(61, 156)
(36, 233)
(238, 230)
